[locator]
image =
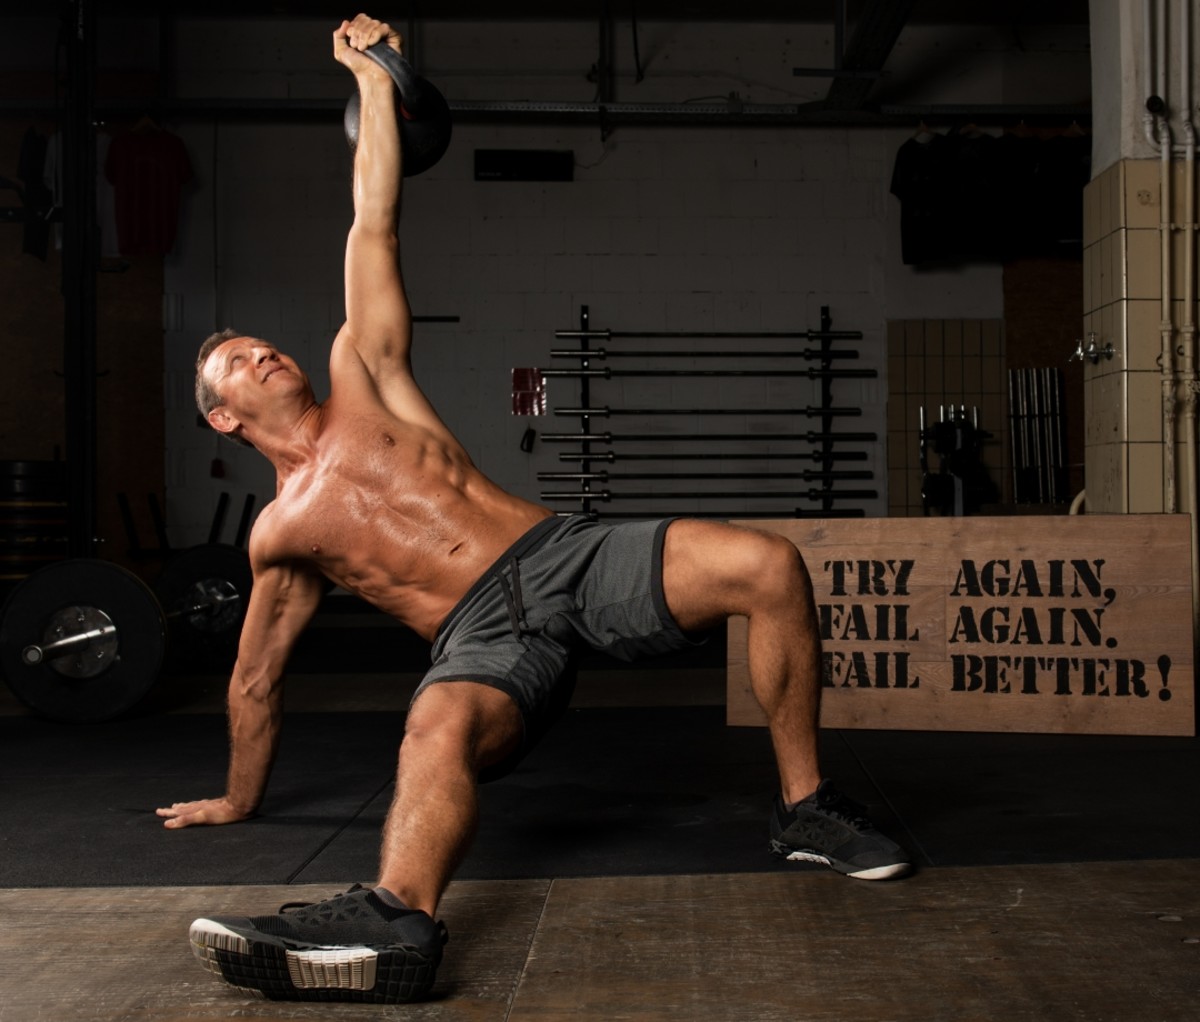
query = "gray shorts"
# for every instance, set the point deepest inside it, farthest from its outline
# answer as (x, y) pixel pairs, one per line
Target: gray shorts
(566, 582)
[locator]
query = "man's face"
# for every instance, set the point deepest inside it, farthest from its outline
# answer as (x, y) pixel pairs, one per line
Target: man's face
(251, 374)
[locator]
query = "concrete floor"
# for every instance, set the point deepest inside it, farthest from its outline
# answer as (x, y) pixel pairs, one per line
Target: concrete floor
(1091, 941)
(1103, 941)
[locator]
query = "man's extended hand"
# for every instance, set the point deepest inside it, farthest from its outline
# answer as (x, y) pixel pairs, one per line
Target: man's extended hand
(208, 811)
(352, 37)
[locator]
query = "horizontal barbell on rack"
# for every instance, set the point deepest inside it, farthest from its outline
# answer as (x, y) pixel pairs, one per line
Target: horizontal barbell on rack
(607, 495)
(608, 374)
(612, 456)
(604, 411)
(603, 353)
(608, 438)
(83, 640)
(683, 335)
(791, 512)
(604, 477)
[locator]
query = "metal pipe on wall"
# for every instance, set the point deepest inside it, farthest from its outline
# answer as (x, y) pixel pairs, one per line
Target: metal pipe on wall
(1149, 118)
(1166, 324)
(1188, 360)
(1178, 364)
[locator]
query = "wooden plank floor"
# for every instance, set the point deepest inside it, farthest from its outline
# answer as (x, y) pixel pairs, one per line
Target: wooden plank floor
(1090, 942)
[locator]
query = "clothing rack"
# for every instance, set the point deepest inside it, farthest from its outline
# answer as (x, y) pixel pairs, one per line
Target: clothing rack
(596, 447)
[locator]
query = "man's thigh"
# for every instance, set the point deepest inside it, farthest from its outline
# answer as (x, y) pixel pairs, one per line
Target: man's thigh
(714, 569)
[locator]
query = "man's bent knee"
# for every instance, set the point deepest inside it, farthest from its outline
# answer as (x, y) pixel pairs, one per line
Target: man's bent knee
(468, 721)
(780, 568)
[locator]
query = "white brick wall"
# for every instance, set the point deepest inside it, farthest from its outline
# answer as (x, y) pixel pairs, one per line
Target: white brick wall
(672, 228)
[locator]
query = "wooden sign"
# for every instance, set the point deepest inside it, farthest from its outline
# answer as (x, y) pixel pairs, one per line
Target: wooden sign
(1079, 624)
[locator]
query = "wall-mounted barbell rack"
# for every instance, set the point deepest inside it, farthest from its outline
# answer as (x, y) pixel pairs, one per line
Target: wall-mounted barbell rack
(596, 449)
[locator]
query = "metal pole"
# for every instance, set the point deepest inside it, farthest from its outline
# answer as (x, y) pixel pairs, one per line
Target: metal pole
(585, 398)
(827, 382)
(79, 277)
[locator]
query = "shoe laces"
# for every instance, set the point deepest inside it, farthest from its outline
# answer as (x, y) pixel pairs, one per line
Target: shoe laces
(292, 906)
(844, 808)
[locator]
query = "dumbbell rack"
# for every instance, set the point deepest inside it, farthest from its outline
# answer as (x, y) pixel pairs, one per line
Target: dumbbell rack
(824, 446)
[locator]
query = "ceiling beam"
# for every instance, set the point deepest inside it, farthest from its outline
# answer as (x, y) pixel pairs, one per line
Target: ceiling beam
(875, 33)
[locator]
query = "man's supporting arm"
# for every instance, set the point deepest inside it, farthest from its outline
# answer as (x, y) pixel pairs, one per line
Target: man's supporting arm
(281, 604)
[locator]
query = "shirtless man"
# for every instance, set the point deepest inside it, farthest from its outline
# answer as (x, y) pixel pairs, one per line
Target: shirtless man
(376, 494)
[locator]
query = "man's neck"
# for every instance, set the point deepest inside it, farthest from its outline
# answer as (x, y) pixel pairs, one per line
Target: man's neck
(288, 446)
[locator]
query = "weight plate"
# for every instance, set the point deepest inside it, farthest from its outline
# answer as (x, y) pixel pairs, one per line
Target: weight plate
(40, 602)
(204, 591)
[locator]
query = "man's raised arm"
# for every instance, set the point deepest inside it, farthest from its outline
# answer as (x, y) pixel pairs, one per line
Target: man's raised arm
(378, 321)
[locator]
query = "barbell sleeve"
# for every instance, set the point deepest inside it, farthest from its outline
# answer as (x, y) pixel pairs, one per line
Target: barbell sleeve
(34, 653)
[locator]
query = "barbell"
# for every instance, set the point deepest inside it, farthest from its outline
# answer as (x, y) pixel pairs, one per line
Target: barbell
(83, 640)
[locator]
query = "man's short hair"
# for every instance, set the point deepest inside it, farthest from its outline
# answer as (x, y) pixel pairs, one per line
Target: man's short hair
(207, 397)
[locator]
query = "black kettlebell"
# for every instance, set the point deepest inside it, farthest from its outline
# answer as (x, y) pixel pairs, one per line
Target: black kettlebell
(422, 115)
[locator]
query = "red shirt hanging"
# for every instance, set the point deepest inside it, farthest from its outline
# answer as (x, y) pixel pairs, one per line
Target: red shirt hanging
(148, 168)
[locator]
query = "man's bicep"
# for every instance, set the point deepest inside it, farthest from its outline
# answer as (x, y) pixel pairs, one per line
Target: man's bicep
(282, 602)
(377, 312)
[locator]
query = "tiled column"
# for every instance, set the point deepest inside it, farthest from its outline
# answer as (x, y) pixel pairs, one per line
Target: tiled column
(1124, 453)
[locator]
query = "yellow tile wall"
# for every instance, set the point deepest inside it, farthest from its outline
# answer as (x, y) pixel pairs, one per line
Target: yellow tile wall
(1122, 264)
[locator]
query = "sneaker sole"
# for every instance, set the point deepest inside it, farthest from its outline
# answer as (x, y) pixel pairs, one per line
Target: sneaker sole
(887, 872)
(278, 972)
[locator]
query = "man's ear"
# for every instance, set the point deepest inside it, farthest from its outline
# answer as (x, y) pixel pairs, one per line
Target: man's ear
(220, 420)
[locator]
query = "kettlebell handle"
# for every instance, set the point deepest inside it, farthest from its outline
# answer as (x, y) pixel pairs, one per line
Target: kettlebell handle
(407, 80)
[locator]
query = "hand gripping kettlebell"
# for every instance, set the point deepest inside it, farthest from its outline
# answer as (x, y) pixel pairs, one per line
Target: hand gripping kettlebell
(422, 113)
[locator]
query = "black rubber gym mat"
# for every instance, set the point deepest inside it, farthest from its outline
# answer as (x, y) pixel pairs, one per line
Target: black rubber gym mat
(621, 792)
(609, 792)
(77, 802)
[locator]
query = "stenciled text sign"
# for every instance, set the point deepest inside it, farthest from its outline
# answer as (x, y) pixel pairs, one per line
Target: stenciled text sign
(1076, 624)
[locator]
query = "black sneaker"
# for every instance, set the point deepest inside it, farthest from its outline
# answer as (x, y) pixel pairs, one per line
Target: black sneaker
(827, 827)
(353, 947)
